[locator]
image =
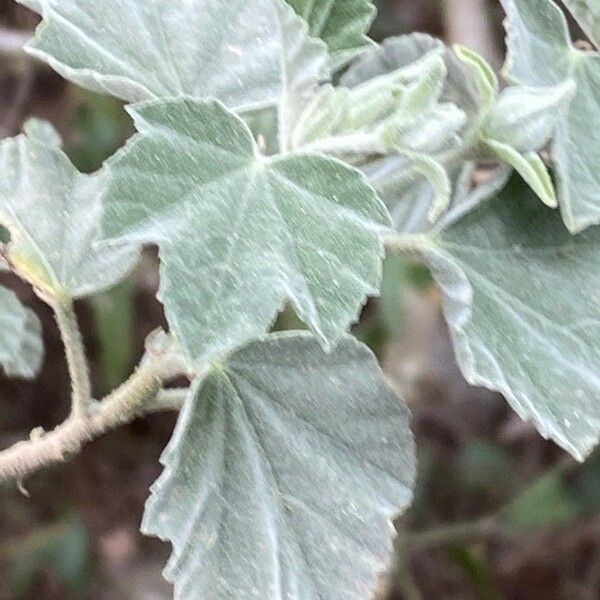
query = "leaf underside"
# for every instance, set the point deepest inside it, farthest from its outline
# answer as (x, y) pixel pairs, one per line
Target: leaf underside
(283, 474)
(509, 271)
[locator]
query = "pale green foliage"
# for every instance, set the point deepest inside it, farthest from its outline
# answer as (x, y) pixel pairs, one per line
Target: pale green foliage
(142, 50)
(541, 54)
(288, 461)
(239, 233)
(510, 272)
(341, 24)
(283, 474)
(513, 125)
(52, 213)
(465, 117)
(21, 349)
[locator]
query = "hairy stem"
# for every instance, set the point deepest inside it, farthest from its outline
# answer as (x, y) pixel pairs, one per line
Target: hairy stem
(81, 390)
(121, 406)
(409, 244)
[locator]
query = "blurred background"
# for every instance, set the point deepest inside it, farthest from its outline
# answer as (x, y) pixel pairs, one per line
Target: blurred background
(499, 512)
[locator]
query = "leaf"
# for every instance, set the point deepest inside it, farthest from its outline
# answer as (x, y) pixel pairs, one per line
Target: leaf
(518, 122)
(531, 168)
(21, 346)
(283, 474)
(509, 271)
(341, 24)
(587, 14)
(239, 233)
(541, 54)
(525, 118)
(402, 51)
(439, 180)
(52, 212)
(484, 76)
(247, 53)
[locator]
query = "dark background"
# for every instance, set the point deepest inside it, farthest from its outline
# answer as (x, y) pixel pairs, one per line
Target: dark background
(499, 512)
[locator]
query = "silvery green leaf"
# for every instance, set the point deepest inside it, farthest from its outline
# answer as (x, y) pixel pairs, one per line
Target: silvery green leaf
(438, 179)
(541, 54)
(404, 51)
(509, 271)
(587, 14)
(469, 194)
(525, 117)
(21, 347)
(52, 213)
(283, 474)
(240, 233)
(368, 118)
(434, 131)
(247, 53)
(485, 79)
(342, 24)
(531, 168)
(411, 204)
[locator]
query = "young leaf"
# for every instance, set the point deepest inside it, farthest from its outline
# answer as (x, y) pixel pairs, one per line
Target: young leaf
(342, 24)
(541, 54)
(531, 168)
(485, 79)
(283, 474)
(52, 213)
(400, 52)
(525, 118)
(238, 51)
(21, 346)
(239, 233)
(522, 118)
(509, 271)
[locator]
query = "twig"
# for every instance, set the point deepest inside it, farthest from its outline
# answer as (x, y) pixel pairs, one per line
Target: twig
(118, 408)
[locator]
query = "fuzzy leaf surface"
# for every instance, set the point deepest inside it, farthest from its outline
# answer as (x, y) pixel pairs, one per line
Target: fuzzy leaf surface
(239, 233)
(509, 271)
(240, 51)
(21, 346)
(283, 474)
(52, 212)
(541, 54)
(341, 24)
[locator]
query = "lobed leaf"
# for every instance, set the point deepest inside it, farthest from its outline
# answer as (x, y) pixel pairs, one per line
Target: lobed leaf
(239, 233)
(284, 472)
(509, 271)
(247, 53)
(52, 213)
(541, 54)
(21, 346)
(341, 24)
